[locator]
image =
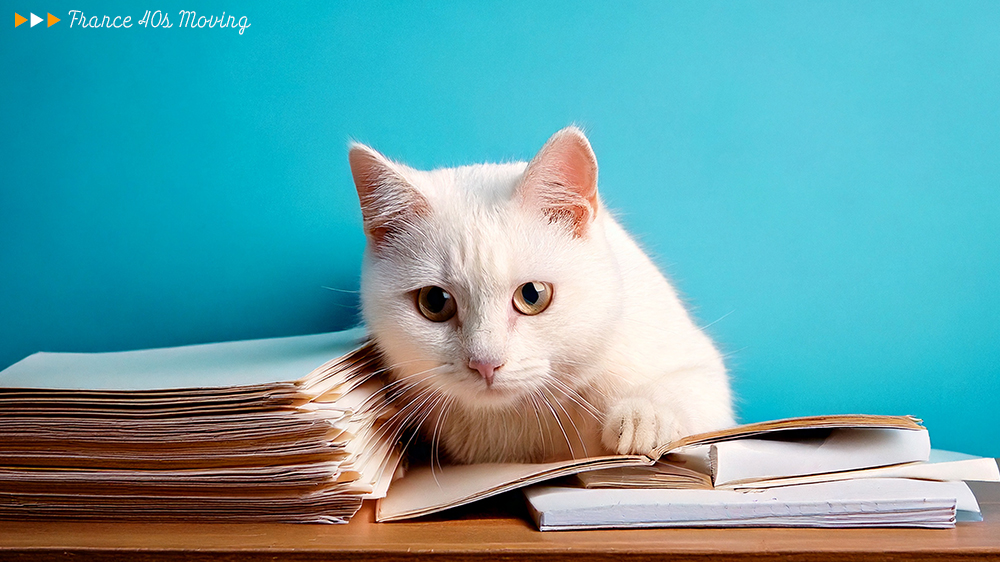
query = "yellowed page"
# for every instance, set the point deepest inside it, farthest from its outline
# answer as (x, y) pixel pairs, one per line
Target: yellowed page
(788, 424)
(424, 491)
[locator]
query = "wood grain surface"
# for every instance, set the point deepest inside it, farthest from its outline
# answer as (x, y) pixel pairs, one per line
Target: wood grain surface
(497, 529)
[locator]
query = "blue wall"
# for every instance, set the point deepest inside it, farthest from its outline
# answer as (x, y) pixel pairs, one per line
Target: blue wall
(821, 180)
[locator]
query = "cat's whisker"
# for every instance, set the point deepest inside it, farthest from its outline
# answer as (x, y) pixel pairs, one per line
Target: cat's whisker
(385, 368)
(403, 418)
(356, 306)
(729, 354)
(569, 417)
(719, 319)
(579, 399)
(403, 381)
(575, 396)
(535, 409)
(555, 416)
(377, 372)
(388, 368)
(618, 376)
(391, 388)
(340, 290)
(422, 414)
(403, 384)
(426, 410)
(405, 413)
(414, 411)
(436, 436)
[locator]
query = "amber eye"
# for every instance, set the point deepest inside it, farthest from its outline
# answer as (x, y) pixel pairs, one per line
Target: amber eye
(436, 304)
(532, 297)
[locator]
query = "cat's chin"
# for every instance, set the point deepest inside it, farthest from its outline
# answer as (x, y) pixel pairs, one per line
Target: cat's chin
(495, 397)
(481, 396)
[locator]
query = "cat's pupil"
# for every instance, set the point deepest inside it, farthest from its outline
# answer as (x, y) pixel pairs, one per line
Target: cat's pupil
(436, 299)
(529, 293)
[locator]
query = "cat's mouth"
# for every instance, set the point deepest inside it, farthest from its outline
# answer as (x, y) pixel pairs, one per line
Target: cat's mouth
(494, 383)
(501, 385)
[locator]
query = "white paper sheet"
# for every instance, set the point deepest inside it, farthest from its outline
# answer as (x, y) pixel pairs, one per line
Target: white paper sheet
(425, 490)
(839, 450)
(197, 366)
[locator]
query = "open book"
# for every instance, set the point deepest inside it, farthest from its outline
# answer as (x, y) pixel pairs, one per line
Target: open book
(881, 440)
(284, 429)
(818, 451)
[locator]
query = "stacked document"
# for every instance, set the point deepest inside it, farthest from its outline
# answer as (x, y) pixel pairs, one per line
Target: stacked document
(875, 502)
(286, 429)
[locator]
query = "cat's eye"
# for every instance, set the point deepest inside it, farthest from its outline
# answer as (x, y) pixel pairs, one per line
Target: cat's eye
(532, 297)
(436, 304)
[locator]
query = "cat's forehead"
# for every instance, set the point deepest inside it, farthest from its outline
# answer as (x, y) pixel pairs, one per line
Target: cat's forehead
(484, 245)
(479, 239)
(475, 185)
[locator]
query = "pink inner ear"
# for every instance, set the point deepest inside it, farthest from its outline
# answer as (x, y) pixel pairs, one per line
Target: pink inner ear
(562, 180)
(578, 167)
(387, 200)
(366, 169)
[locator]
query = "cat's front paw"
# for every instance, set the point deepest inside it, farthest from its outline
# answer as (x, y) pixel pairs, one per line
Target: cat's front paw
(637, 425)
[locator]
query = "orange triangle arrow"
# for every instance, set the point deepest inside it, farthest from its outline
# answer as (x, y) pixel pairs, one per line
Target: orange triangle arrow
(52, 20)
(19, 19)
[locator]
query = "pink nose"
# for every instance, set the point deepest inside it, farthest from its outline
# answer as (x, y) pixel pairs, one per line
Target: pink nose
(485, 368)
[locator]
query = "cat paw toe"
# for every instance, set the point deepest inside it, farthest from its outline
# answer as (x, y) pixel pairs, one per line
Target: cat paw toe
(637, 426)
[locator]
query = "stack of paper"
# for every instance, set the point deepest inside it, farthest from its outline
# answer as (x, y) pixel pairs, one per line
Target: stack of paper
(878, 502)
(678, 474)
(229, 430)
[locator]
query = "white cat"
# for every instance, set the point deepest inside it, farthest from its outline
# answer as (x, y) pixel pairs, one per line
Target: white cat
(519, 318)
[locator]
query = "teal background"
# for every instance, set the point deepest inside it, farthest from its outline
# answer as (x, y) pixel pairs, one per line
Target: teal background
(820, 179)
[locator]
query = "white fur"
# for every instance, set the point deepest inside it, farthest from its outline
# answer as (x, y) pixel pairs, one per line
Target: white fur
(615, 359)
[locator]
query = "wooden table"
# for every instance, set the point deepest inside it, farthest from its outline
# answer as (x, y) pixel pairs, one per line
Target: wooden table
(494, 530)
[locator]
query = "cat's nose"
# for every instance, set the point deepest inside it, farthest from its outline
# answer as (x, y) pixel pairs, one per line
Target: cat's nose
(485, 368)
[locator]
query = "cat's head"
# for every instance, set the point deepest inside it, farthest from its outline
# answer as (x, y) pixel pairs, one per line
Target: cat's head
(487, 284)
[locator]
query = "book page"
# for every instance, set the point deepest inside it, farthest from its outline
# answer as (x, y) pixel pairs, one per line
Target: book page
(788, 424)
(688, 470)
(425, 490)
(249, 362)
(834, 450)
(979, 469)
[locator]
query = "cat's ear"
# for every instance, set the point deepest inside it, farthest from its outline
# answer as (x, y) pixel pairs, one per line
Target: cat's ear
(388, 201)
(561, 180)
